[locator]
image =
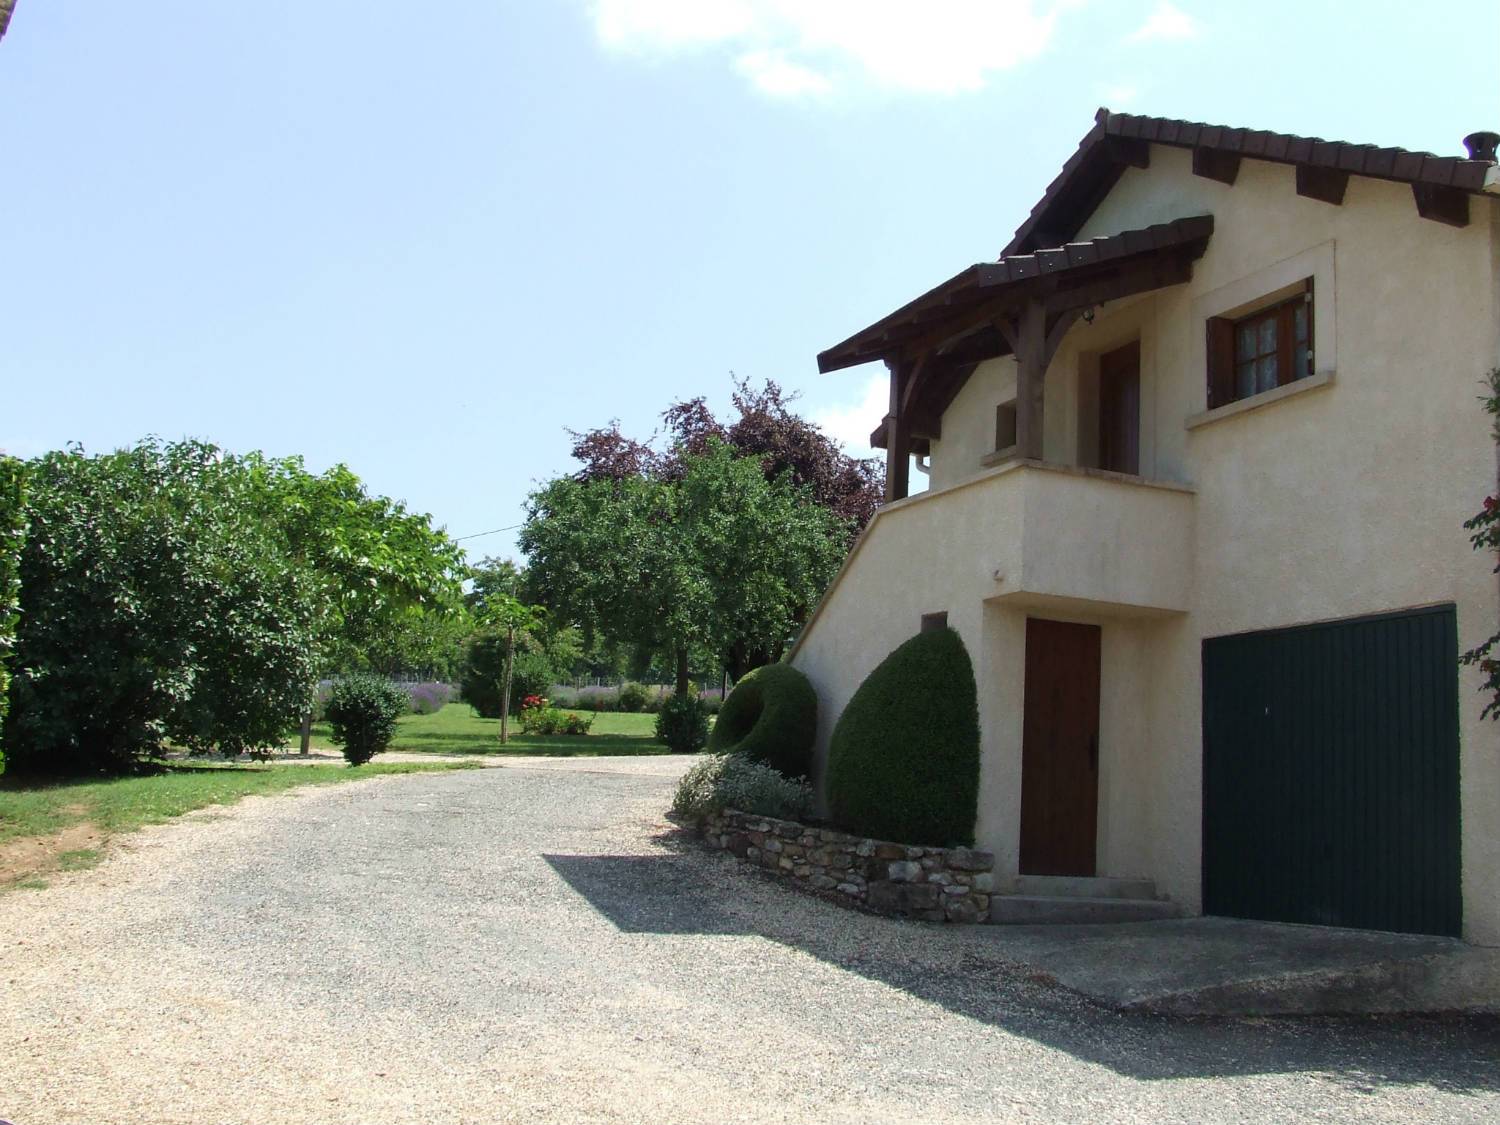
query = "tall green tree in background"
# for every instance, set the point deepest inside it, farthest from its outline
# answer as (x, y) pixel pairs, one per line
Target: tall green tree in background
(12, 535)
(709, 553)
(377, 570)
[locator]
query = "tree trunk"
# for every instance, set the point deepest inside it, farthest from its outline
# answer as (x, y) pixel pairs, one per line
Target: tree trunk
(682, 670)
(306, 733)
(510, 663)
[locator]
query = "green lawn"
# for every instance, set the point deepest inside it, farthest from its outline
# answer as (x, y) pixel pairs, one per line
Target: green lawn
(127, 803)
(457, 729)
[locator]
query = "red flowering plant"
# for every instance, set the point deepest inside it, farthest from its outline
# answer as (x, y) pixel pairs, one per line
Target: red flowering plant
(538, 716)
(1484, 533)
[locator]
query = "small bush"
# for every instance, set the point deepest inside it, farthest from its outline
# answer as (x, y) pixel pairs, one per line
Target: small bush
(903, 763)
(538, 716)
(682, 724)
(633, 698)
(771, 716)
(727, 781)
(363, 711)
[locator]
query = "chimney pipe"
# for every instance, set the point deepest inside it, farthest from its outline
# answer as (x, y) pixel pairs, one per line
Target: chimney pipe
(1481, 145)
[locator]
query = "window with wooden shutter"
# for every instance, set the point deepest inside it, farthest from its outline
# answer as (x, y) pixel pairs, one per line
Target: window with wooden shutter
(1266, 349)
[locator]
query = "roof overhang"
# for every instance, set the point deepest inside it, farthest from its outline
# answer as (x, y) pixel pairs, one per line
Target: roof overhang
(955, 320)
(6, 7)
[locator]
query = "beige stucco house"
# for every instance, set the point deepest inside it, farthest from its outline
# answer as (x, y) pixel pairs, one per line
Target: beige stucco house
(1201, 444)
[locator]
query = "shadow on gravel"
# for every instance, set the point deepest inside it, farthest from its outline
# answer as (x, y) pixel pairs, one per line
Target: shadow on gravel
(665, 894)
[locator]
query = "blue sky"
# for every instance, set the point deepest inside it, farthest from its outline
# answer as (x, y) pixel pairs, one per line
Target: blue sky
(427, 239)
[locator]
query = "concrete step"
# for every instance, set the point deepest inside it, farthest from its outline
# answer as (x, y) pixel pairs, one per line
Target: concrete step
(1079, 886)
(1040, 910)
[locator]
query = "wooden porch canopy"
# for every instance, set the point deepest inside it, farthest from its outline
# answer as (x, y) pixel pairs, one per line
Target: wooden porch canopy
(1022, 305)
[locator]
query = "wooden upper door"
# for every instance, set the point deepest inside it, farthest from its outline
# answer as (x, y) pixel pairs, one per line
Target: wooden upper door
(1060, 749)
(1120, 409)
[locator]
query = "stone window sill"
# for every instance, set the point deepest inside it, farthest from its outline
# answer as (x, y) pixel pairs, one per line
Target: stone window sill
(1255, 402)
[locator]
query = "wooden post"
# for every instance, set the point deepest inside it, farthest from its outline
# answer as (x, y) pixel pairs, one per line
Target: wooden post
(306, 733)
(510, 663)
(897, 438)
(1031, 374)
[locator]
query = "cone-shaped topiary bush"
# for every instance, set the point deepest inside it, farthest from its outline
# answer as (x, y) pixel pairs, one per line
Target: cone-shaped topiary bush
(771, 716)
(903, 764)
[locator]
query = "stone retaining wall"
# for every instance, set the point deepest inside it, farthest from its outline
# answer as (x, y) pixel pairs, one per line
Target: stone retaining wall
(934, 884)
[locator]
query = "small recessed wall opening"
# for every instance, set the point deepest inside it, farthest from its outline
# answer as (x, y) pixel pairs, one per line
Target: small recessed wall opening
(934, 621)
(1005, 425)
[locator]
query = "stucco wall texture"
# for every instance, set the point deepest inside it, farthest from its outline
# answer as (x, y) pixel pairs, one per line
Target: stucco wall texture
(1345, 499)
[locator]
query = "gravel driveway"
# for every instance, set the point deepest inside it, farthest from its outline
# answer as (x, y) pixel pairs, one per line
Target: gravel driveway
(530, 944)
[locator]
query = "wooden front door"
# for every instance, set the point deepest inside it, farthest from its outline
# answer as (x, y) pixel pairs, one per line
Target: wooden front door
(1120, 409)
(1060, 749)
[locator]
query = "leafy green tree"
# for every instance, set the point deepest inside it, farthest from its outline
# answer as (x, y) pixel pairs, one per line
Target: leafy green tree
(12, 535)
(377, 570)
(713, 554)
(155, 602)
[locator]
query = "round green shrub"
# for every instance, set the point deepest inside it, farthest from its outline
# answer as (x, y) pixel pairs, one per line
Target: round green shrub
(771, 716)
(682, 723)
(634, 698)
(363, 711)
(903, 763)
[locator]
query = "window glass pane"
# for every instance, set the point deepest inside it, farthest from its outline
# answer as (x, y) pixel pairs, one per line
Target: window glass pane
(1299, 362)
(1267, 335)
(1245, 344)
(1265, 373)
(1244, 380)
(1299, 319)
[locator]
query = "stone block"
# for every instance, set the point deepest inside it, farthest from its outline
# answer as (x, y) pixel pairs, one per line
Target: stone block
(807, 839)
(941, 879)
(802, 871)
(954, 890)
(865, 848)
(841, 861)
(757, 838)
(787, 830)
(851, 889)
(970, 859)
(915, 853)
(772, 844)
(737, 843)
(785, 864)
(904, 871)
(932, 863)
(961, 910)
(984, 882)
(752, 852)
(889, 851)
(902, 898)
(822, 883)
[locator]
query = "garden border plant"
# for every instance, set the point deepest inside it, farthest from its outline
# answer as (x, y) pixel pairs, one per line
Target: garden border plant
(771, 716)
(903, 763)
(362, 711)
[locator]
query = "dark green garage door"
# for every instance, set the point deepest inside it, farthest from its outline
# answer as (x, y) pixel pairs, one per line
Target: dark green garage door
(1330, 774)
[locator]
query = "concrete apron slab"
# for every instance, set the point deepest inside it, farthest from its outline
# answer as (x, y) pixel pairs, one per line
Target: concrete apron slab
(1222, 966)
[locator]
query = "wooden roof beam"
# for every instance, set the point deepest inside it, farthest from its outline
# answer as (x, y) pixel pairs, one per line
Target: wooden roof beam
(1442, 204)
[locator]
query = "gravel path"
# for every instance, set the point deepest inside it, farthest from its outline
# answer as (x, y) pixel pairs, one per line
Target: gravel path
(529, 944)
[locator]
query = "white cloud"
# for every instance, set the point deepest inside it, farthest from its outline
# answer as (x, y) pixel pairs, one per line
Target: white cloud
(800, 47)
(1166, 23)
(775, 74)
(851, 425)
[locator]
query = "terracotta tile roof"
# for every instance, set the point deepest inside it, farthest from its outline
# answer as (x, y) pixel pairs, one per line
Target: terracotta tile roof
(1091, 171)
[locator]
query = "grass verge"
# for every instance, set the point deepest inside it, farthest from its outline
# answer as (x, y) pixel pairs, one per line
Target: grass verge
(458, 729)
(63, 825)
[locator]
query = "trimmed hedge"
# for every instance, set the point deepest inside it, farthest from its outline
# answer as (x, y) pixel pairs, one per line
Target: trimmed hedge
(903, 764)
(771, 716)
(363, 710)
